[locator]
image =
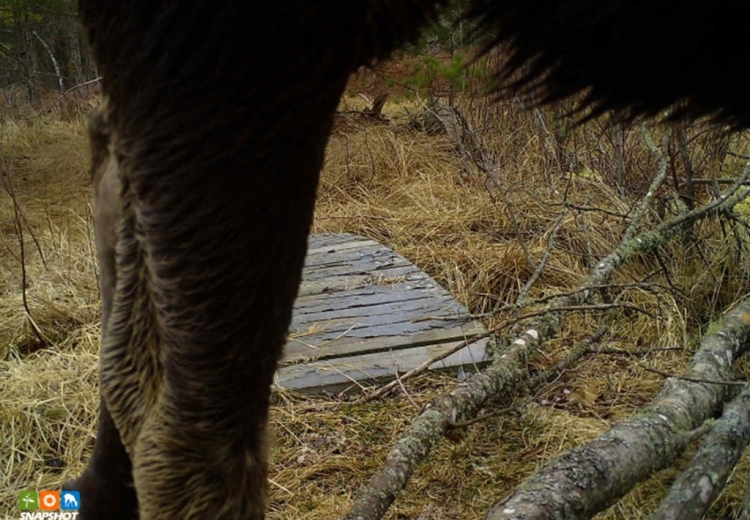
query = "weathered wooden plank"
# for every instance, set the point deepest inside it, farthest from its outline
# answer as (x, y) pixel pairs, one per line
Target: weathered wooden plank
(392, 312)
(323, 333)
(406, 328)
(355, 247)
(333, 239)
(327, 239)
(318, 251)
(366, 265)
(354, 281)
(346, 252)
(364, 313)
(409, 310)
(380, 276)
(354, 372)
(365, 301)
(315, 249)
(411, 281)
(299, 349)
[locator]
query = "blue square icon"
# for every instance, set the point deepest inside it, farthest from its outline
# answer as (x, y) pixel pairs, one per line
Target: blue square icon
(70, 500)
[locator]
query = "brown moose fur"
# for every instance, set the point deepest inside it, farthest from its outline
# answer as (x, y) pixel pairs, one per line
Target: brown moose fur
(205, 163)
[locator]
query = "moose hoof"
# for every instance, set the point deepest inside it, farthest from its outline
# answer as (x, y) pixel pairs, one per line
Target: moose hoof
(103, 499)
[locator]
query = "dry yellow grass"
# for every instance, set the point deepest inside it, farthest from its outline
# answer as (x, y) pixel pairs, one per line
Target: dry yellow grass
(414, 193)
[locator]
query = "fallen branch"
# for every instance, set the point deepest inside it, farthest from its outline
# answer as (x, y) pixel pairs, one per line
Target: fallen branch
(84, 84)
(587, 479)
(698, 486)
(637, 352)
(504, 377)
(661, 174)
(387, 388)
(576, 353)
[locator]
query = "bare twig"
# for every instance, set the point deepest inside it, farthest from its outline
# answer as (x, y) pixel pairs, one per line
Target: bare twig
(20, 216)
(688, 197)
(637, 352)
(584, 308)
(470, 147)
(596, 209)
(542, 263)
(402, 387)
(386, 389)
(661, 174)
(481, 418)
(18, 227)
(717, 181)
(84, 84)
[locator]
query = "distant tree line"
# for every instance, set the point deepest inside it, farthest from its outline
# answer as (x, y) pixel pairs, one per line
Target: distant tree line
(42, 48)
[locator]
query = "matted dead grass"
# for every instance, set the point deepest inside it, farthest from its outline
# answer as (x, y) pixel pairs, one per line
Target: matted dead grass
(414, 193)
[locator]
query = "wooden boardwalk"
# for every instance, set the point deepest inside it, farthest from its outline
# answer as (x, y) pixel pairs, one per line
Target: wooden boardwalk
(364, 313)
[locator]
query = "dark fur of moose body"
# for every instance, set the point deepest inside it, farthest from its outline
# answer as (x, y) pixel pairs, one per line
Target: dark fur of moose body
(207, 154)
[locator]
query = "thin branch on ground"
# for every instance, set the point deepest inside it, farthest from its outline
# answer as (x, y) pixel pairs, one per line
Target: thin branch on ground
(387, 388)
(591, 209)
(667, 276)
(521, 299)
(481, 418)
(649, 286)
(637, 352)
(575, 354)
(586, 308)
(470, 147)
(512, 306)
(85, 83)
(661, 174)
(20, 216)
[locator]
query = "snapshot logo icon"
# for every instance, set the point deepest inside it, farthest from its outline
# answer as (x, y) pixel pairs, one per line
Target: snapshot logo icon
(70, 501)
(28, 501)
(49, 505)
(49, 500)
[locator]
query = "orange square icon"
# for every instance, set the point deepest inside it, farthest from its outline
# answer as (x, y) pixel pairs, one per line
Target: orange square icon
(49, 500)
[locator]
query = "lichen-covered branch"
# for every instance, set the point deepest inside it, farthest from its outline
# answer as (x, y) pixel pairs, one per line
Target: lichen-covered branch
(648, 198)
(698, 486)
(587, 479)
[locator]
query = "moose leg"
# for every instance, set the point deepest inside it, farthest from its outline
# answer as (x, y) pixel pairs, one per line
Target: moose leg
(219, 151)
(208, 266)
(107, 484)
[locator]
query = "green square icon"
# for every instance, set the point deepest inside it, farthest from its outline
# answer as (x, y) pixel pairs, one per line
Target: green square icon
(28, 500)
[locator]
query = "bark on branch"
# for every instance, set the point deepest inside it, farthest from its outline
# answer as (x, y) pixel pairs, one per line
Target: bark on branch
(587, 479)
(700, 483)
